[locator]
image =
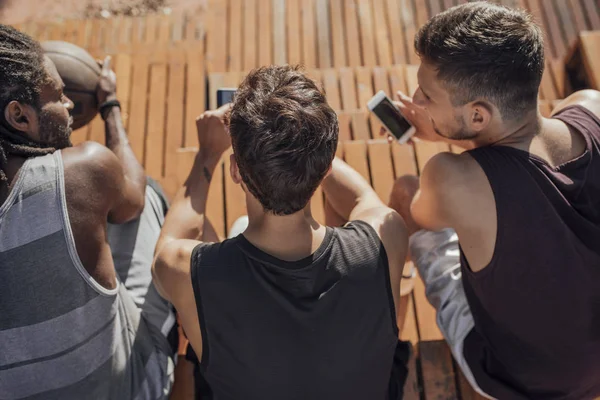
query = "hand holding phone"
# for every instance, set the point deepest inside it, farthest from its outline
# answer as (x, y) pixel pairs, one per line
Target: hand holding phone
(391, 118)
(224, 96)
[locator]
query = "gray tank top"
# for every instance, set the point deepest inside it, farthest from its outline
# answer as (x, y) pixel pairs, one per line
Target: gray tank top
(62, 335)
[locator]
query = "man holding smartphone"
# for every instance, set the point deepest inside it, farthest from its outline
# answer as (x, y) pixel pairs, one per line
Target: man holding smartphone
(288, 309)
(518, 301)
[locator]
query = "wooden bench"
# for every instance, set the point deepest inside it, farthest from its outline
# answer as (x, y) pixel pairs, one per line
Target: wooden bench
(583, 63)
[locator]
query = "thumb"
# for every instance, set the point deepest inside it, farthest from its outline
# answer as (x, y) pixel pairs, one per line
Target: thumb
(106, 65)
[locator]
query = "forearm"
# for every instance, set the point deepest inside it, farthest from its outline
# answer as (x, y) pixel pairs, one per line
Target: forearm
(347, 191)
(185, 219)
(118, 142)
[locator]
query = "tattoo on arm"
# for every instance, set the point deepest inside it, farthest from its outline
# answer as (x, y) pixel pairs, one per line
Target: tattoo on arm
(207, 174)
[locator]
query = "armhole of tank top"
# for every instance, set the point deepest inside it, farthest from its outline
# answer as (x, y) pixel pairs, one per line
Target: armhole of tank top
(60, 173)
(204, 358)
(499, 232)
(386, 272)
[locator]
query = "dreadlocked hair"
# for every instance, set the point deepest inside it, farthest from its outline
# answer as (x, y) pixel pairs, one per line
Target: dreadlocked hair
(22, 76)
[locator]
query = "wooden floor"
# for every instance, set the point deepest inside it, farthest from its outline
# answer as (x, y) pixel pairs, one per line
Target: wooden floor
(169, 68)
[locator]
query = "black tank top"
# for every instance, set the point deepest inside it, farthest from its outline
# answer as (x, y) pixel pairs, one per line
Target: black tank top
(323, 327)
(536, 306)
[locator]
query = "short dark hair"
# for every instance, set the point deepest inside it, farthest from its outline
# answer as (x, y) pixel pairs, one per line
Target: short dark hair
(484, 50)
(284, 137)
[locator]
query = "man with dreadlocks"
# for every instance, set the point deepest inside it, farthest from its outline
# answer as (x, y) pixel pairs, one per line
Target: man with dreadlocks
(79, 316)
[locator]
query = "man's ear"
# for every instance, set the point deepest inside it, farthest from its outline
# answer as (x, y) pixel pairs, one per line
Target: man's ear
(479, 116)
(234, 170)
(19, 116)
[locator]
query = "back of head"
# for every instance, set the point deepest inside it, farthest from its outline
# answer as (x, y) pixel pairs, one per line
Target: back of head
(284, 137)
(485, 51)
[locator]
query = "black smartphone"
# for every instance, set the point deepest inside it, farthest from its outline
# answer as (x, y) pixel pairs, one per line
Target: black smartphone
(224, 96)
(390, 117)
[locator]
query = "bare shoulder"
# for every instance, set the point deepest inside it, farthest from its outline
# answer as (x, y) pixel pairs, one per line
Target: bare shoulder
(450, 174)
(588, 98)
(92, 158)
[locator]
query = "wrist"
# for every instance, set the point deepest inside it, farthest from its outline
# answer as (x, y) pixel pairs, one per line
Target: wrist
(209, 157)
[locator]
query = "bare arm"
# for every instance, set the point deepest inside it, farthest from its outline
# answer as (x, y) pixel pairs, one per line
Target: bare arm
(354, 199)
(589, 99)
(131, 199)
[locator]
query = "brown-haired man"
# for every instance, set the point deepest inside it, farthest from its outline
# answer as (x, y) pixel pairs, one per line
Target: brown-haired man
(519, 300)
(290, 309)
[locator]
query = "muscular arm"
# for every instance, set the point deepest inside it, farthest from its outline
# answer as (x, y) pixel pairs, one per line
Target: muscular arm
(588, 98)
(354, 199)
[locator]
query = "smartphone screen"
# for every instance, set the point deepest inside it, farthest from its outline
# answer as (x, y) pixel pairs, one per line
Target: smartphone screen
(389, 116)
(224, 96)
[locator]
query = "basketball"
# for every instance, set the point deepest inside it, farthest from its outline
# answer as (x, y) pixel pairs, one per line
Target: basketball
(80, 72)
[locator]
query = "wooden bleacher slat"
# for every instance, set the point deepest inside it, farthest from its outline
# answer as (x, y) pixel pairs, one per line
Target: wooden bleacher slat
(336, 13)
(316, 75)
(265, 34)
(178, 26)
(578, 15)
(434, 7)
(534, 7)
(466, 390)
(590, 52)
(397, 81)
(279, 33)
(547, 89)
(123, 70)
(591, 11)
(564, 13)
(124, 35)
(364, 85)
(348, 89)
(235, 199)
(216, 38)
(155, 130)
(344, 121)
(137, 33)
(309, 41)
(355, 154)
(151, 30)
(111, 37)
(80, 135)
(55, 32)
(191, 29)
(367, 37)
(195, 94)
(164, 30)
(294, 33)
(332, 89)
(352, 34)
(96, 36)
(448, 4)
(215, 81)
(234, 52)
(360, 125)
(382, 35)
(396, 33)
(380, 82)
(323, 34)
(175, 111)
(382, 169)
(438, 372)
(421, 12)
(404, 159)
(553, 26)
(138, 104)
(408, 16)
(250, 35)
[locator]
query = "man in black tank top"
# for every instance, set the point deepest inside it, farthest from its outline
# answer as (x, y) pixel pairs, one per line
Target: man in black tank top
(518, 301)
(289, 309)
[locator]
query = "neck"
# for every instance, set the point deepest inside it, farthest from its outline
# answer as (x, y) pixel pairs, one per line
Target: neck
(518, 134)
(288, 237)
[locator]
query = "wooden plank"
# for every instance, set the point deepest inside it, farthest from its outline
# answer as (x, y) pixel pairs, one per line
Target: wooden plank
(111, 35)
(123, 69)
(382, 34)
(332, 89)
(590, 51)
(138, 105)
(191, 28)
(382, 169)
(447, 4)
(336, 13)
(367, 37)
(279, 33)
(560, 78)
(294, 33)
(250, 37)
(323, 34)
(381, 81)
(80, 135)
(591, 11)
(155, 131)
(578, 15)
(552, 26)
(195, 94)
(404, 159)
(360, 125)
(265, 34)
(352, 34)
(397, 80)
(566, 16)
(364, 86)
(137, 32)
(309, 41)
(434, 7)
(438, 372)
(547, 88)
(96, 36)
(215, 81)
(81, 34)
(234, 55)
(216, 46)
(355, 154)
(348, 89)
(164, 30)
(56, 31)
(178, 21)
(151, 30)
(235, 198)
(344, 122)
(175, 111)
(409, 18)
(412, 82)
(421, 12)
(396, 32)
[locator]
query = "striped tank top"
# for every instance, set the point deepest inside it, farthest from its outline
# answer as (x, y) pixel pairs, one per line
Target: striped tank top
(62, 335)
